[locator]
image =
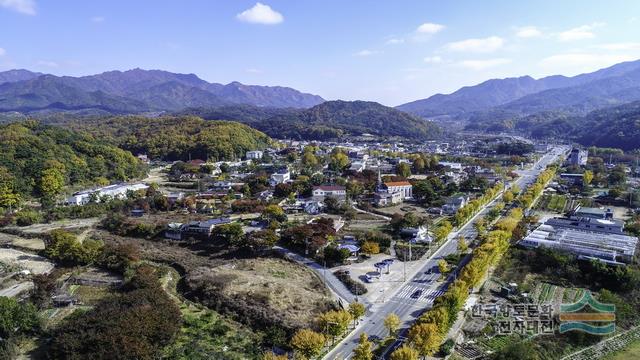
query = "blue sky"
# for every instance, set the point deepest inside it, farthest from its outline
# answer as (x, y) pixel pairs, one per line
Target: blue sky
(386, 51)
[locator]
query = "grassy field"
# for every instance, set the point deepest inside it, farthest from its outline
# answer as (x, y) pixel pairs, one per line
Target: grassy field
(205, 334)
(555, 203)
(631, 352)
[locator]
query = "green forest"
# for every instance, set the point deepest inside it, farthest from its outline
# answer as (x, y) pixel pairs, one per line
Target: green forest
(40, 160)
(329, 120)
(175, 137)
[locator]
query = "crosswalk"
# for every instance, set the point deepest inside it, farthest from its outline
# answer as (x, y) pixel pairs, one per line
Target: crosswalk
(428, 295)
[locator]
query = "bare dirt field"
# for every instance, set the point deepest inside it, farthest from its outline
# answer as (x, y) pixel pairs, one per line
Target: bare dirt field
(34, 263)
(260, 290)
(21, 242)
(38, 229)
(366, 225)
(405, 208)
(280, 286)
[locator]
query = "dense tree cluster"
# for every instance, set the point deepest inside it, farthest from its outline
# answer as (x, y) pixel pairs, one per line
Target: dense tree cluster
(135, 324)
(41, 160)
(177, 138)
(16, 320)
(65, 248)
(119, 224)
(514, 148)
(309, 237)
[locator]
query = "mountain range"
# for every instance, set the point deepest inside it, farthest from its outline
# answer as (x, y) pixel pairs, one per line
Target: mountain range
(509, 98)
(136, 90)
(553, 106)
(329, 120)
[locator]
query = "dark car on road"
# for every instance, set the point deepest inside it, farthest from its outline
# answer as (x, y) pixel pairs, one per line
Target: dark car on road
(416, 294)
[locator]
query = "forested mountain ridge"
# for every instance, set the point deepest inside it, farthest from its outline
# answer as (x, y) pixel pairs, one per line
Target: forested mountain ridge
(616, 127)
(136, 90)
(41, 160)
(329, 120)
(174, 137)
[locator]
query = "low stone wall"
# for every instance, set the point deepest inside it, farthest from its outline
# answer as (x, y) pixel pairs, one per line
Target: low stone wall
(606, 346)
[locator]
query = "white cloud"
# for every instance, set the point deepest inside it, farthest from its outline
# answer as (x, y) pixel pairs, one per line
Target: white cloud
(395, 41)
(579, 33)
(366, 52)
(22, 6)
(429, 28)
(574, 63)
(46, 63)
(433, 59)
(253, 71)
(98, 19)
(2, 51)
(483, 64)
(485, 45)
(619, 46)
(528, 32)
(261, 14)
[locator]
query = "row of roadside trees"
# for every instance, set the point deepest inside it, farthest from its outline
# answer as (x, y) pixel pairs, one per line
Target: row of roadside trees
(466, 212)
(428, 333)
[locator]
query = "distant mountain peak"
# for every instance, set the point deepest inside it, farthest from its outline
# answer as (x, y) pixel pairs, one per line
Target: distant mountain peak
(494, 93)
(15, 75)
(141, 90)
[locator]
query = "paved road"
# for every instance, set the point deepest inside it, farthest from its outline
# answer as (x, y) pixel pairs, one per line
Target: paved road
(419, 292)
(335, 285)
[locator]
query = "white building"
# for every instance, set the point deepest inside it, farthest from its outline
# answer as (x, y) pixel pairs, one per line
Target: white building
(114, 191)
(387, 199)
(578, 157)
(403, 187)
(322, 191)
(280, 177)
(455, 166)
(256, 154)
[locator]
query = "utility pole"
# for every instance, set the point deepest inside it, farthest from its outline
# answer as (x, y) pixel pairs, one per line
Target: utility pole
(404, 268)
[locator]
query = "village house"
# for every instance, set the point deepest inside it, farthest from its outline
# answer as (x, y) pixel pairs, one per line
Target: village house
(254, 155)
(195, 229)
(280, 177)
(383, 199)
(454, 203)
(323, 191)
